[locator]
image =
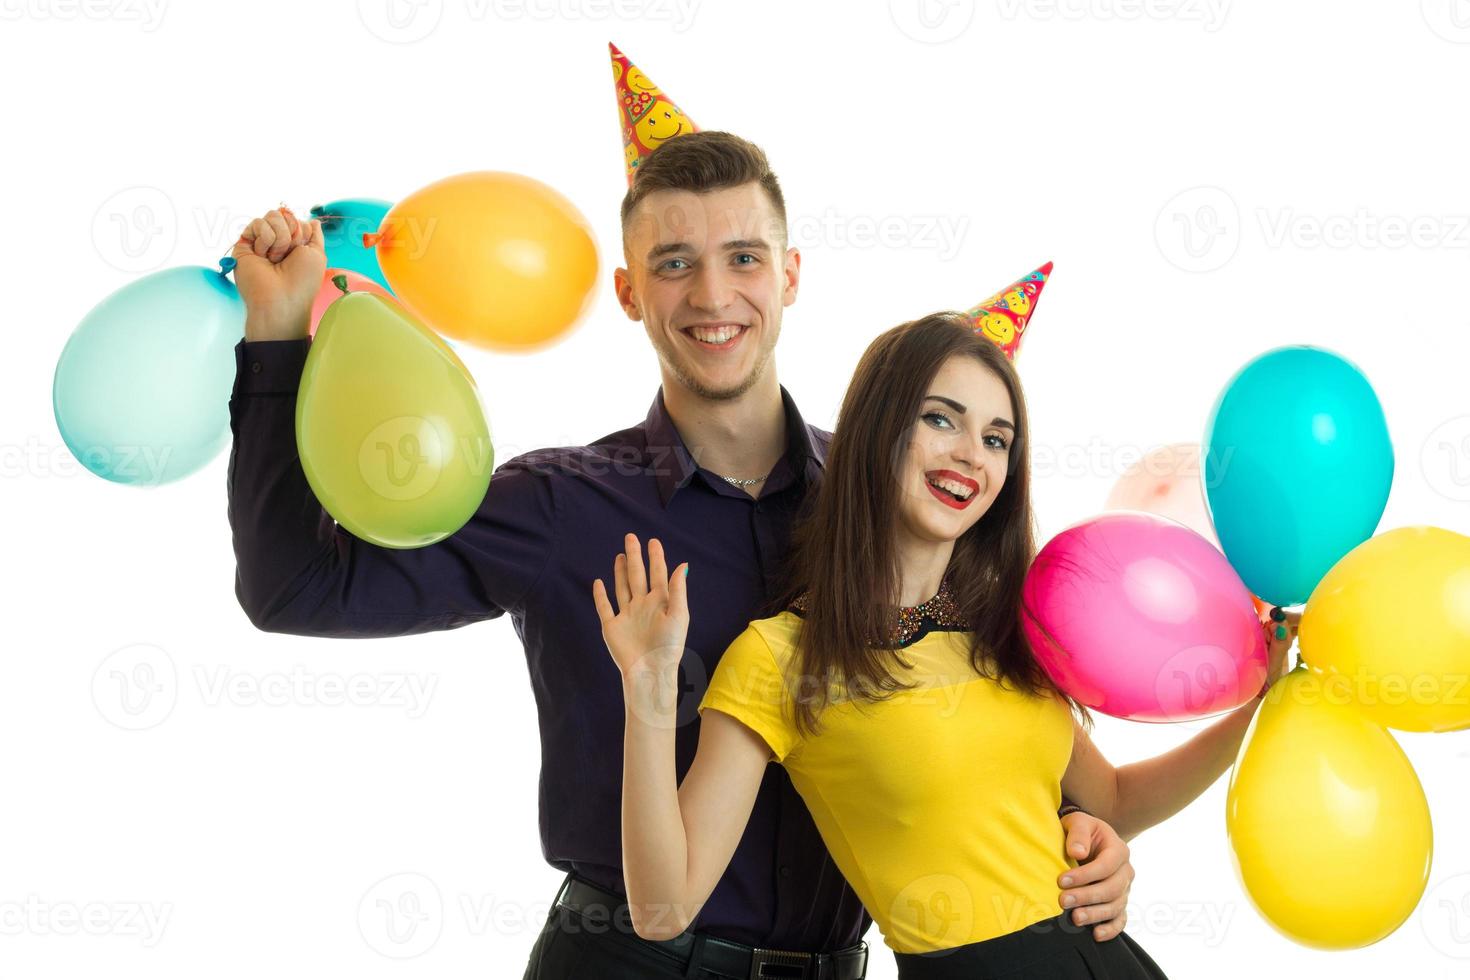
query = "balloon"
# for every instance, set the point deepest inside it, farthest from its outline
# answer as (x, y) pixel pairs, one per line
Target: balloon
(1297, 468)
(330, 293)
(389, 426)
(344, 223)
(1328, 825)
(1139, 617)
(1166, 482)
(1390, 624)
(497, 260)
(141, 392)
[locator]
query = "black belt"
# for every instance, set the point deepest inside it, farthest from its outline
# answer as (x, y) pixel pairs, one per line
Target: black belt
(698, 951)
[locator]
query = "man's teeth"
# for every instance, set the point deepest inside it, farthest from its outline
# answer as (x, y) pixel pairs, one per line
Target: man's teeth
(714, 335)
(958, 489)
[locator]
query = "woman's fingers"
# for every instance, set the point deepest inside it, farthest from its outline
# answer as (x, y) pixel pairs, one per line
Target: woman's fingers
(637, 575)
(620, 581)
(599, 599)
(658, 574)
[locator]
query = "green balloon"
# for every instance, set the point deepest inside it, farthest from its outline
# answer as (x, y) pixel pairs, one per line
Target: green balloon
(389, 426)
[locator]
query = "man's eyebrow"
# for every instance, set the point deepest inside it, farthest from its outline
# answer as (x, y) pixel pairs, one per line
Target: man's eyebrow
(747, 245)
(735, 245)
(1003, 423)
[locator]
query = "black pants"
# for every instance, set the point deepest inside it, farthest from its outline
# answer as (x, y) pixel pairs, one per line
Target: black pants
(1052, 949)
(572, 948)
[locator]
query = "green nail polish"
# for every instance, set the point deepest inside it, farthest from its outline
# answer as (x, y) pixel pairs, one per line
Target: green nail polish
(1278, 614)
(686, 571)
(1281, 632)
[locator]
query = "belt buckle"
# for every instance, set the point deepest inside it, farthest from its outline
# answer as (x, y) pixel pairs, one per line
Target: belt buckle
(771, 964)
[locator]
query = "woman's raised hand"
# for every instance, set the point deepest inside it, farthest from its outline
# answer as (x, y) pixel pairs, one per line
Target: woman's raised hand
(648, 630)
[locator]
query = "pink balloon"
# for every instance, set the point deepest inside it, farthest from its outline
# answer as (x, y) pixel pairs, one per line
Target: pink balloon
(329, 292)
(1167, 482)
(1139, 617)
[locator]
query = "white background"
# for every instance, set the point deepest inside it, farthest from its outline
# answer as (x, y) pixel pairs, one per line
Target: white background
(1213, 179)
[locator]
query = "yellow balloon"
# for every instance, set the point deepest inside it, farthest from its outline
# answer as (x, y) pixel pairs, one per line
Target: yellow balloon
(389, 426)
(1390, 622)
(497, 260)
(1329, 827)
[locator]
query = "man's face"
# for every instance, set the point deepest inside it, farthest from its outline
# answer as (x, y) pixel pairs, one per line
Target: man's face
(709, 274)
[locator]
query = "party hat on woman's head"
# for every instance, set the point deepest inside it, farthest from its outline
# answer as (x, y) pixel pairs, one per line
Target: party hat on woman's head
(648, 117)
(1003, 317)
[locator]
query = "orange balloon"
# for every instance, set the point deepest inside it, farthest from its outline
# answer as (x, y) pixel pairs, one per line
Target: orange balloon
(498, 260)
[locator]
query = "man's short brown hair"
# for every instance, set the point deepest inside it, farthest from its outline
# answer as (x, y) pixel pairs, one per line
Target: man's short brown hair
(704, 161)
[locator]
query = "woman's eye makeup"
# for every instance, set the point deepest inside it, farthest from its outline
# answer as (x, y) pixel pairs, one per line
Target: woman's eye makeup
(943, 422)
(930, 417)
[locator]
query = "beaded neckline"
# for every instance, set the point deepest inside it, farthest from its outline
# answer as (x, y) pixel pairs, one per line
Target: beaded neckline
(940, 611)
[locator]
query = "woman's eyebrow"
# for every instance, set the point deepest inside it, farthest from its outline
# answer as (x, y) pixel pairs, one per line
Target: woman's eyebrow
(1004, 423)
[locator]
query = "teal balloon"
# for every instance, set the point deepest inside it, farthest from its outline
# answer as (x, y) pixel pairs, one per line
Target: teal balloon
(142, 388)
(344, 223)
(1298, 465)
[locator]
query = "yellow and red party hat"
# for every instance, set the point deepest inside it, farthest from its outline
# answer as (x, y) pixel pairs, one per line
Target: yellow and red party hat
(1003, 317)
(647, 116)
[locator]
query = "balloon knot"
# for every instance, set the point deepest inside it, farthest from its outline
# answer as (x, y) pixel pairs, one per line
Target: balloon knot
(340, 281)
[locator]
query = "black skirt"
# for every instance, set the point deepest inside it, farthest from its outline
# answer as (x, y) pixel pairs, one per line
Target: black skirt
(1052, 949)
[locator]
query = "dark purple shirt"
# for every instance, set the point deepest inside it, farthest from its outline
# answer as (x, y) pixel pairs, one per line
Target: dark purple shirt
(551, 522)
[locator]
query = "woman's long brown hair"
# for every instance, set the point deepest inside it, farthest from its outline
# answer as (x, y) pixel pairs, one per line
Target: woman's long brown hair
(844, 553)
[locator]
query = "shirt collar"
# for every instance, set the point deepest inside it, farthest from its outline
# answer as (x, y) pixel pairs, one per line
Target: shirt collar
(674, 467)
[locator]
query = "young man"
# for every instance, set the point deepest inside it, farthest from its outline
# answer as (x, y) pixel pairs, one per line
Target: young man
(716, 471)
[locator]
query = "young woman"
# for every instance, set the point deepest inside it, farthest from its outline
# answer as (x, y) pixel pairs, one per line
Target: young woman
(896, 686)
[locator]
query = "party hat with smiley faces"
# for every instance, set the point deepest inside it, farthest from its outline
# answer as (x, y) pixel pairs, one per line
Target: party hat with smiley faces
(649, 118)
(1003, 317)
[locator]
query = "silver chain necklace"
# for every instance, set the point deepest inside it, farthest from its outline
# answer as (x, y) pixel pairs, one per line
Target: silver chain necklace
(740, 483)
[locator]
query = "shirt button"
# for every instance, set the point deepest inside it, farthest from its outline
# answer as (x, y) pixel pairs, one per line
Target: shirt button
(255, 367)
(785, 871)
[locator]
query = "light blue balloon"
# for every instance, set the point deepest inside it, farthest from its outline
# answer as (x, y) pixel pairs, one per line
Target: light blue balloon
(142, 389)
(344, 223)
(1297, 469)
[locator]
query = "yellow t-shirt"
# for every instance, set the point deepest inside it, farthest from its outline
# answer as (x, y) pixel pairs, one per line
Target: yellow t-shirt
(939, 804)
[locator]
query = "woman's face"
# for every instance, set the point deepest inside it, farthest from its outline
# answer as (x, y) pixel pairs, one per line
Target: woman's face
(957, 460)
